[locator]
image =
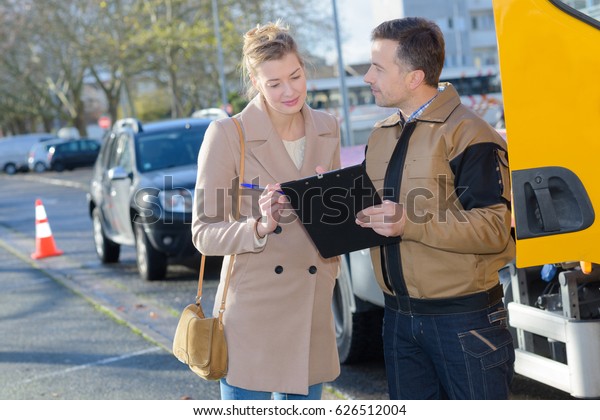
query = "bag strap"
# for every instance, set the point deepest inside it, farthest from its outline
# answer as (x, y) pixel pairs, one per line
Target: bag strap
(237, 216)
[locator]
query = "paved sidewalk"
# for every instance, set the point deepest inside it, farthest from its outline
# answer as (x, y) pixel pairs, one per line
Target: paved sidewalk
(58, 344)
(69, 332)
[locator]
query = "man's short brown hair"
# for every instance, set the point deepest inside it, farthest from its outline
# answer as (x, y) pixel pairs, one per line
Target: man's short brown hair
(421, 45)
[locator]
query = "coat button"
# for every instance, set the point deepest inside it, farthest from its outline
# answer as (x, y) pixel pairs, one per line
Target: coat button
(279, 269)
(312, 269)
(277, 229)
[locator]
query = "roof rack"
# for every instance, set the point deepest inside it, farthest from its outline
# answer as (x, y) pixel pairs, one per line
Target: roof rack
(130, 122)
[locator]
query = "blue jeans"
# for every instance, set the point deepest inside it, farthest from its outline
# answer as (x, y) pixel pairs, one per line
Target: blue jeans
(230, 392)
(456, 356)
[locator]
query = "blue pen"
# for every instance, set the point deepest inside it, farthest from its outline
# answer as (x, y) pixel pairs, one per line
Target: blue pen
(258, 187)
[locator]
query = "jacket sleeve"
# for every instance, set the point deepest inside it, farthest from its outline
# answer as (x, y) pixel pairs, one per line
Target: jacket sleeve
(479, 220)
(214, 229)
(476, 231)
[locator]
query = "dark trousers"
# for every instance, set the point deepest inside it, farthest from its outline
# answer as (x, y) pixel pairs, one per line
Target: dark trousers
(467, 355)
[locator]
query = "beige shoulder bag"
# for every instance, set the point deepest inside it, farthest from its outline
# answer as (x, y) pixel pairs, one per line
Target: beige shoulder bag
(200, 342)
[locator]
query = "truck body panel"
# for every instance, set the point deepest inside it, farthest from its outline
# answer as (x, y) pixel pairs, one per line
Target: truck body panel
(548, 64)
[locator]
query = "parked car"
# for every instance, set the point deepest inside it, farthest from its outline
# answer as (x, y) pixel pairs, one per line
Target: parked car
(38, 154)
(14, 151)
(73, 154)
(142, 189)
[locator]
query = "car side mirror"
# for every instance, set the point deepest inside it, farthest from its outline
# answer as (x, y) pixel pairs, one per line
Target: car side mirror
(117, 173)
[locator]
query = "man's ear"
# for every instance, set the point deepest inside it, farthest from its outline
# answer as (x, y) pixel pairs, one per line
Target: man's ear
(416, 78)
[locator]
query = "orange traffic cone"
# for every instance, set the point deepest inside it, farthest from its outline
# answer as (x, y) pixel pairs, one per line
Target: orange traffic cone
(44, 241)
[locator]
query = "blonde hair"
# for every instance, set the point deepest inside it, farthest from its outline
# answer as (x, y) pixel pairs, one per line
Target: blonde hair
(265, 43)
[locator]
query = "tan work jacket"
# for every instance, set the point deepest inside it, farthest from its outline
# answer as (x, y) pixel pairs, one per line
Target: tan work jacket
(453, 159)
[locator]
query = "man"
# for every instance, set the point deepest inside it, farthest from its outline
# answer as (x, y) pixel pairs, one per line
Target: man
(443, 174)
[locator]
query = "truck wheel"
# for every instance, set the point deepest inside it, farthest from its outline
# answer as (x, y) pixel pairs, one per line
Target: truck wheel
(152, 264)
(358, 334)
(107, 250)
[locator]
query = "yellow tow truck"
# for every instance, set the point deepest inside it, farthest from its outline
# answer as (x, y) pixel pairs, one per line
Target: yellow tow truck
(549, 53)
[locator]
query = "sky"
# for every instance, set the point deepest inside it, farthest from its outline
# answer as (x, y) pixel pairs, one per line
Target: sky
(356, 20)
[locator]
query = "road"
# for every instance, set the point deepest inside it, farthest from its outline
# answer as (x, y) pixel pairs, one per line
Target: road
(83, 330)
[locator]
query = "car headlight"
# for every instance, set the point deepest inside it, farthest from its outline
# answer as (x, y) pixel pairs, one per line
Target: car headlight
(176, 201)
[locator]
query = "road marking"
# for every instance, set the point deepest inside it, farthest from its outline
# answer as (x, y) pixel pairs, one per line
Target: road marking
(88, 365)
(63, 183)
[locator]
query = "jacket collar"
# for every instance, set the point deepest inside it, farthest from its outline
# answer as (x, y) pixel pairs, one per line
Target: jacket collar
(442, 106)
(438, 111)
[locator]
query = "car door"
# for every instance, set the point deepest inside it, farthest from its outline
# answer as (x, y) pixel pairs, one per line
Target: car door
(94, 147)
(117, 186)
(89, 152)
(549, 62)
(72, 153)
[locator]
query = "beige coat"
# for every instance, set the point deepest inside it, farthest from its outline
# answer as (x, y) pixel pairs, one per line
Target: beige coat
(278, 320)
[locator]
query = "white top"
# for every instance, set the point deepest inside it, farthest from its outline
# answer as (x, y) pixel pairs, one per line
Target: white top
(295, 149)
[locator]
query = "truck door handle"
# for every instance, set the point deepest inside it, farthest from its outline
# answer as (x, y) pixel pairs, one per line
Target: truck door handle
(548, 201)
(546, 208)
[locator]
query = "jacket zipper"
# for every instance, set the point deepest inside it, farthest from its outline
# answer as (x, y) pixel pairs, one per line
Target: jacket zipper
(393, 178)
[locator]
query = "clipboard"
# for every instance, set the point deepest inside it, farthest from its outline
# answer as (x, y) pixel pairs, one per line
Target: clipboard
(327, 205)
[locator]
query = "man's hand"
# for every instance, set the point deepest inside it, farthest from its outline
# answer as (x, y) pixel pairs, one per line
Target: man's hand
(387, 218)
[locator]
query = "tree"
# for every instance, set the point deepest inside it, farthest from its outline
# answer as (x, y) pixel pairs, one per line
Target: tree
(112, 52)
(25, 101)
(57, 28)
(49, 51)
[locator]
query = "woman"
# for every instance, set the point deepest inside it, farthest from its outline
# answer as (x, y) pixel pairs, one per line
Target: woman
(278, 321)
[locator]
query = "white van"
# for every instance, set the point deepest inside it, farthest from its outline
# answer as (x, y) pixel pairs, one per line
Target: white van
(14, 151)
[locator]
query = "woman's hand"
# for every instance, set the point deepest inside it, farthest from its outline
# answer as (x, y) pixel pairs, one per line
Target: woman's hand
(320, 170)
(271, 202)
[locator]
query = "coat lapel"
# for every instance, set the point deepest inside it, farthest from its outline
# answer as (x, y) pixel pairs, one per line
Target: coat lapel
(264, 142)
(266, 146)
(321, 144)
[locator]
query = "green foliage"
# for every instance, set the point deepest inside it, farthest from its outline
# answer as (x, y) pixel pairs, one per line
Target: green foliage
(152, 106)
(237, 101)
(49, 49)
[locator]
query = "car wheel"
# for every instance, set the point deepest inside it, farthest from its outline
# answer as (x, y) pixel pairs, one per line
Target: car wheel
(152, 264)
(10, 168)
(39, 167)
(358, 334)
(107, 250)
(58, 167)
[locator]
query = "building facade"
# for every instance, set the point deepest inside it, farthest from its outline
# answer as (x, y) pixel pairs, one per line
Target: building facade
(468, 27)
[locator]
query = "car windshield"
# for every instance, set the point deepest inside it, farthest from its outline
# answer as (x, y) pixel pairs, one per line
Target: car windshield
(168, 149)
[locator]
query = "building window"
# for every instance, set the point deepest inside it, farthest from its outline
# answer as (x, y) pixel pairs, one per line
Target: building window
(483, 22)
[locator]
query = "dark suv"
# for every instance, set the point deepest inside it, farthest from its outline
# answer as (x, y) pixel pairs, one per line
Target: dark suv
(142, 190)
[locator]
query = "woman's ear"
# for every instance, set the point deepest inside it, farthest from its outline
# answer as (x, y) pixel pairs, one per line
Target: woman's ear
(254, 82)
